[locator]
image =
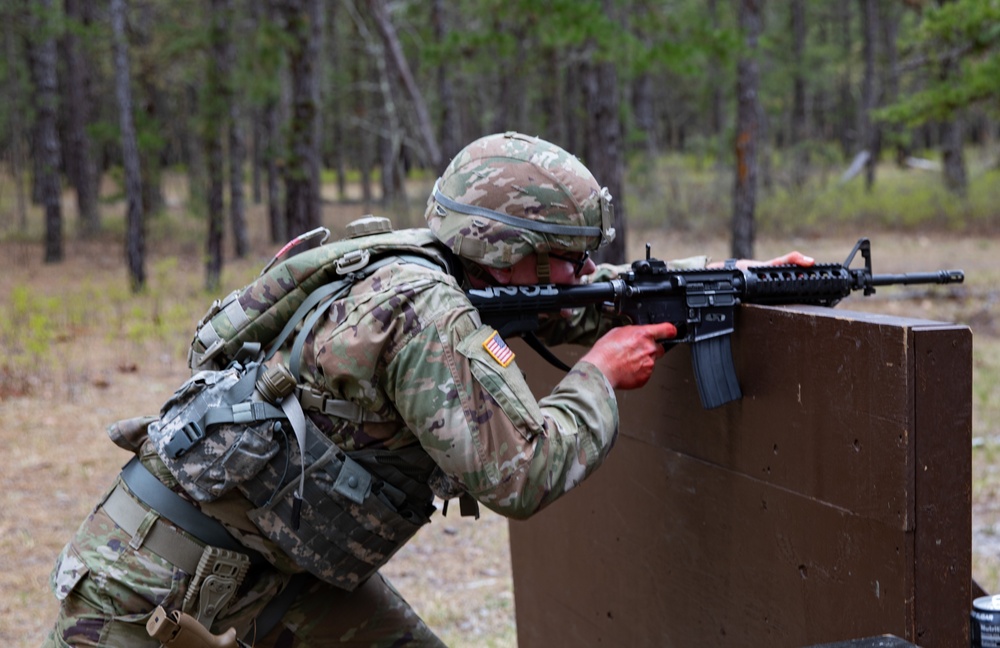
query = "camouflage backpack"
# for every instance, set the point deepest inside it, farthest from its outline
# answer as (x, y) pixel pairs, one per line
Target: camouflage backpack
(263, 312)
(228, 425)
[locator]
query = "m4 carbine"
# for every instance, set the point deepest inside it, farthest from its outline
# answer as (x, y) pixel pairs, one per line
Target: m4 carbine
(700, 303)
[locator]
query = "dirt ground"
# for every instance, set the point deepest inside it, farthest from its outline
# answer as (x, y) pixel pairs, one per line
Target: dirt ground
(456, 572)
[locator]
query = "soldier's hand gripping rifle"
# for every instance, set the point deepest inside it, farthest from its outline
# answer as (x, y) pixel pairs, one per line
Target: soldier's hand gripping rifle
(700, 303)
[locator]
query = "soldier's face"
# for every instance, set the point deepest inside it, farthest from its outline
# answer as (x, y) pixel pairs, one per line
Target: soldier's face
(564, 271)
(567, 269)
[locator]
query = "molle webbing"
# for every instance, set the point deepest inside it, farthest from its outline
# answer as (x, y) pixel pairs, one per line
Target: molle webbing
(349, 520)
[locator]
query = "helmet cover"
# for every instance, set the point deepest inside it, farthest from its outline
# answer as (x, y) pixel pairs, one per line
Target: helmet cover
(508, 195)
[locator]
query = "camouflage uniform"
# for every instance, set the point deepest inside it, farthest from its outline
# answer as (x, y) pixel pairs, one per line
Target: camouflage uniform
(406, 345)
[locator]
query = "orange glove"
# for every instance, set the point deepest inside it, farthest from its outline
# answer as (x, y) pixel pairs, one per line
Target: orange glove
(626, 355)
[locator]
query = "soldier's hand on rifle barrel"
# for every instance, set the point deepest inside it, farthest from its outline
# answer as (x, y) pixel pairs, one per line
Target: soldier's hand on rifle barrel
(792, 258)
(626, 355)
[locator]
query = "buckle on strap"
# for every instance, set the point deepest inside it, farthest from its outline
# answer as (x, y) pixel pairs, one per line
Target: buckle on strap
(184, 439)
(162, 539)
(313, 399)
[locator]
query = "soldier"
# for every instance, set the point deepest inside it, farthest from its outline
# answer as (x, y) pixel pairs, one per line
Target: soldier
(406, 395)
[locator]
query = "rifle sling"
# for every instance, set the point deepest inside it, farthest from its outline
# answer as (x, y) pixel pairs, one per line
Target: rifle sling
(532, 340)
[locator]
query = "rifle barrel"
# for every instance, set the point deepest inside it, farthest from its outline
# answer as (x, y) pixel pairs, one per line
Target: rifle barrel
(939, 277)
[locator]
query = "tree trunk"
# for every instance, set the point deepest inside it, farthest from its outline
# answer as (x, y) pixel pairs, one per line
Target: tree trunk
(389, 132)
(216, 209)
(336, 100)
(278, 226)
(717, 105)
(237, 203)
(150, 102)
(394, 54)
(798, 134)
(368, 140)
(16, 125)
(955, 177)
(845, 108)
(215, 102)
(301, 169)
(889, 21)
(194, 135)
(643, 105)
(450, 144)
(47, 103)
(574, 116)
(256, 156)
(268, 145)
(78, 79)
(554, 102)
(237, 145)
(135, 238)
(869, 133)
(747, 132)
(606, 147)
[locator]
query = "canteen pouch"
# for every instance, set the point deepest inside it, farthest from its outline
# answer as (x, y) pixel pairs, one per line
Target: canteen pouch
(216, 431)
(350, 522)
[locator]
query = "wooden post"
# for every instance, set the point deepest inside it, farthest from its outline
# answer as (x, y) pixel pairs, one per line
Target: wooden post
(831, 503)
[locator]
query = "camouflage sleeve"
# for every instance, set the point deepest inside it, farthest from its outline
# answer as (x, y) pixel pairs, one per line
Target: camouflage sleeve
(468, 403)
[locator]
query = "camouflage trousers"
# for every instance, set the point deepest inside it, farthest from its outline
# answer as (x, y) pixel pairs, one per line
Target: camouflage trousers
(108, 590)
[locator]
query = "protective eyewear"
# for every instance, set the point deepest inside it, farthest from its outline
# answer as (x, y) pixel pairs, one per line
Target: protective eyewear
(579, 262)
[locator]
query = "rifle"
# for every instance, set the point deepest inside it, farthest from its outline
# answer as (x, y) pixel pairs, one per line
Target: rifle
(700, 303)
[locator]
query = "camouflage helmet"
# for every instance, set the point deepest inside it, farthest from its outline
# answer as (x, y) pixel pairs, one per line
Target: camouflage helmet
(508, 195)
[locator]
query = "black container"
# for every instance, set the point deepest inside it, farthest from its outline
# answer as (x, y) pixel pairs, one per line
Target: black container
(985, 622)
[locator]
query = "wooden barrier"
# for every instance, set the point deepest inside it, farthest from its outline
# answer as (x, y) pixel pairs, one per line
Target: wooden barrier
(831, 503)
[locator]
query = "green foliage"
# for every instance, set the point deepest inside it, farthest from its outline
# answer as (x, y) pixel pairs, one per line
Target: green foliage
(959, 46)
(258, 71)
(27, 327)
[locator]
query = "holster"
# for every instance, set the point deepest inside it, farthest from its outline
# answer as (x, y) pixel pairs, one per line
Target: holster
(179, 630)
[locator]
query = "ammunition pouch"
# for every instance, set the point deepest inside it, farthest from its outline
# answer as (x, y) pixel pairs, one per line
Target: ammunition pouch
(217, 430)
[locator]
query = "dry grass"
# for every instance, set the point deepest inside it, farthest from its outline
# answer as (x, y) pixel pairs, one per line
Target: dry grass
(101, 365)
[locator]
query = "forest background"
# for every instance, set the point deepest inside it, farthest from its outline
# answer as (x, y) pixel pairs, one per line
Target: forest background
(155, 153)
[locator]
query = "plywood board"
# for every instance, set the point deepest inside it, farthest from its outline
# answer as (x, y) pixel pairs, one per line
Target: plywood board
(807, 512)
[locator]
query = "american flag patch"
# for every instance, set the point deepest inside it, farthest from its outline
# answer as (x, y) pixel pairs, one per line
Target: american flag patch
(496, 347)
